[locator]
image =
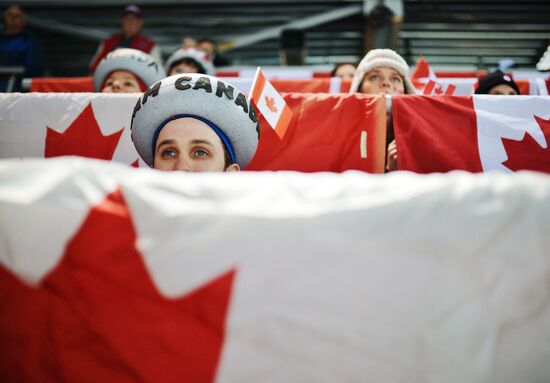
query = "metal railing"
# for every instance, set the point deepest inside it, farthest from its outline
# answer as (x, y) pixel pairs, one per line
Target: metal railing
(12, 72)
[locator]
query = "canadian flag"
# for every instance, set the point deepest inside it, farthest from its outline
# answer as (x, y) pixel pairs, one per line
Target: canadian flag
(329, 132)
(475, 133)
(321, 137)
(436, 88)
(425, 78)
(423, 73)
(114, 274)
(270, 104)
(58, 124)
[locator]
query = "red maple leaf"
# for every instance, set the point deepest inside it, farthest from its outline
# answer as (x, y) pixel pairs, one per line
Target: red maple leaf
(438, 90)
(270, 103)
(526, 154)
(82, 138)
(98, 317)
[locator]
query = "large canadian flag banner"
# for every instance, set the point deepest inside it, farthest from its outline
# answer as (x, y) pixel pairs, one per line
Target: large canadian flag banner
(50, 125)
(475, 133)
(115, 274)
(334, 132)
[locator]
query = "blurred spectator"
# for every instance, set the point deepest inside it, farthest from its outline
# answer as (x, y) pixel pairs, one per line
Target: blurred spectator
(506, 63)
(130, 37)
(127, 70)
(344, 70)
(19, 48)
(544, 62)
(497, 83)
(188, 60)
(383, 71)
(188, 42)
(211, 47)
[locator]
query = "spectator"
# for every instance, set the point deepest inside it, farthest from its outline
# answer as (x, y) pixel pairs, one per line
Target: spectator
(188, 61)
(18, 48)
(211, 47)
(383, 71)
(195, 123)
(188, 42)
(344, 70)
(130, 37)
(127, 70)
(497, 83)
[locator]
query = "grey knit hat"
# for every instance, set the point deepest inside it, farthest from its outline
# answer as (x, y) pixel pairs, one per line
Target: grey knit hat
(382, 58)
(218, 104)
(139, 63)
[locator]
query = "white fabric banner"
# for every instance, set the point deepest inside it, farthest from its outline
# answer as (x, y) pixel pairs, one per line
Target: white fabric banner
(339, 277)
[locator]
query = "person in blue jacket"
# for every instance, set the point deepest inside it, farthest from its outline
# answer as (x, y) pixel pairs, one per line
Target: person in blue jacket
(18, 48)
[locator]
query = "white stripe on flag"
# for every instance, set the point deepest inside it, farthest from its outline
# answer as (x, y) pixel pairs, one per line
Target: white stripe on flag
(364, 144)
(335, 85)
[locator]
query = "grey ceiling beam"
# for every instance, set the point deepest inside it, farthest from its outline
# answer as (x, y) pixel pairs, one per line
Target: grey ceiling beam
(477, 51)
(144, 3)
(490, 27)
(67, 29)
(432, 59)
(473, 35)
(305, 23)
(451, 44)
(93, 34)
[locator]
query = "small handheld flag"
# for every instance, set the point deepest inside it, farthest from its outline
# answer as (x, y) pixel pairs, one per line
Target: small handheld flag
(270, 104)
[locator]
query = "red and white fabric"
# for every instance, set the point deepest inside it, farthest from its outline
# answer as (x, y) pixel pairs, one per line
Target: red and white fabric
(327, 133)
(475, 133)
(464, 86)
(422, 73)
(244, 84)
(425, 79)
(109, 273)
(57, 124)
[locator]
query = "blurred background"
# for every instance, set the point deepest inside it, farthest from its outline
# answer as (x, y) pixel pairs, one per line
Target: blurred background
(450, 34)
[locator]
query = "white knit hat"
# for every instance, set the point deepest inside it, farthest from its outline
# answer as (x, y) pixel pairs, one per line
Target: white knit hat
(208, 99)
(200, 57)
(382, 58)
(139, 63)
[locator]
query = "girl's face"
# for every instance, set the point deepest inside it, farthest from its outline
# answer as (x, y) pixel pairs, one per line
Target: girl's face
(183, 67)
(121, 81)
(503, 90)
(382, 80)
(345, 71)
(189, 145)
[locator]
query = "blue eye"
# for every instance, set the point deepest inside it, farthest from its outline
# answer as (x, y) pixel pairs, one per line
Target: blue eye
(169, 153)
(200, 153)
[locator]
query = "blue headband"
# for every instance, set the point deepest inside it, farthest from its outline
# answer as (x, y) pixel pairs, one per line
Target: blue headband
(217, 130)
